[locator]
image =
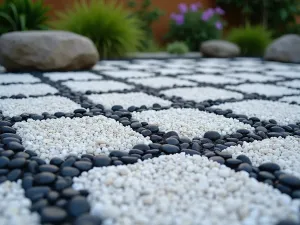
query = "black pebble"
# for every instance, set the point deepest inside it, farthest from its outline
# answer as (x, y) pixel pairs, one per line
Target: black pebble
(233, 163)
(77, 206)
(141, 147)
(218, 159)
(69, 171)
(3, 161)
(7, 129)
(88, 219)
(101, 160)
(48, 168)
(32, 166)
(52, 196)
(245, 167)
(15, 146)
(69, 193)
(17, 163)
(27, 182)
(264, 175)
(10, 139)
(244, 159)
(289, 180)
(190, 152)
(129, 159)
(212, 135)
(170, 149)
(56, 161)
(83, 165)
(38, 190)
(14, 175)
(270, 167)
(172, 141)
(53, 214)
(44, 178)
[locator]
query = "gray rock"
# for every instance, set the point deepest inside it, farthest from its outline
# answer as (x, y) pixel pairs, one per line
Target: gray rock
(219, 48)
(284, 49)
(46, 51)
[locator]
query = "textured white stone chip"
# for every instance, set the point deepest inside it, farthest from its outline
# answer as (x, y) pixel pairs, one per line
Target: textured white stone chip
(127, 74)
(50, 104)
(26, 89)
(172, 71)
(283, 151)
(292, 84)
(253, 77)
(179, 189)
(209, 70)
(160, 82)
(290, 99)
(103, 86)
(7, 78)
(211, 79)
(263, 89)
(202, 93)
(126, 100)
(99, 67)
(283, 113)
(56, 76)
(64, 136)
(285, 73)
(190, 122)
(14, 206)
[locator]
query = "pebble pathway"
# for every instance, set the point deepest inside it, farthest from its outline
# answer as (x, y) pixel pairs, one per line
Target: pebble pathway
(163, 142)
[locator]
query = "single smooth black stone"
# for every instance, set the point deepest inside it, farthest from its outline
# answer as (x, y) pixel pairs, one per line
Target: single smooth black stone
(208, 145)
(244, 159)
(237, 135)
(60, 184)
(56, 161)
(39, 205)
(59, 114)
(135, 125)
(212, 135)
(48, 168)
(33, 166)
(262, 134)
(224, 155)
(117, 163)
(184, 146)
(154, 145)
(17, 118)
(53, 214)
(101, 160)
(289, 180)
(88, 219)
(3, 172)
(4, 161)
(7, 129)
(277, 173)
(62, 203)
(69, 193)
(172, 141)
(284, 189)
(14, 174)
(228, 144)
(196, 146)
(10, 139)
(77, 206)
(287, 128)
(155, 138)
(270, 167)
(233, 163)
(170, 134)
(87, 156)
(218, 159)
(5, 123)
(154, 152)
(69, 171)
(230, 139)
(136, 151)
(27, 182)
(277, 129)
(152, 128)
(185, 140)
(190, 152)
(17, 163)
(68, 162)
(38, 160)
(244, 167)
(263, 175)
(15, 146)
(296, 194)
(117, 154)
(44, 178)
(272, 121)
(274, 134)
(146, 133)
(220, 146)
(52, 196)
(287, 222)
(79, 111)
(116, 107)
(22, 155)
(144, 124)
(142, 147)
(219, 141)
(129, 159)
(170, 149)
(83, 166)
(36, 117)
(261, 128)
(7, 153)
(10, 135)
(243, 131)
(147, 156)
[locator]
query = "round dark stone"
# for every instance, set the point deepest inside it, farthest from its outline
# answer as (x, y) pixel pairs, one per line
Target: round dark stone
(136, 151)
(116, 107)
(60, 184)
(261, 128)
(52, 196)
(56, 161)
(22, 155)
(31, 153)
(262, 134)
(289, 180)
(3, 172)
(218, 159)
(5, 123)
(156, 138)
(69, 193)
(48, 168)
(212, 135)
(53, 214)
(147, 156)
(7, 129)
(39, 205)
(44, 178)
(244, 159)
(10, 135)
(224, 155)
(17, 163)
(277, 129)
(245, 167)
(101, 160)
(170, 134)
(270, 167)
(38, 190)
(264, 175)
(27, 182)
(14, 175)
(15, 146)
(88, 219)
(32, 166)
(152, 128)
(190, 152)
(117, 154)
(184, 146)
(146, 133)
(172, 141)
(79, 111)
(59, 114)
(87, 156)
(233, 163)
(77, 206)
(154, 152)
(135, 125)
(185, 140)
(142, 147)
(7, 153)
(117, 163)
(83, 166)
(10, 139)
(296, 194)
(4, 161)
(196, 146)
(68, 162)
(170, 149)
(284, 189)
(129, 159)
(69, 171)
(208, 145)
(243, 131)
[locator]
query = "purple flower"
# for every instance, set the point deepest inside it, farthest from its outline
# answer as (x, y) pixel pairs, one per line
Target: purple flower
(207, 14)
(195, 6)
(183, 8)
(219, 11)
(219, 25)
(178, 18)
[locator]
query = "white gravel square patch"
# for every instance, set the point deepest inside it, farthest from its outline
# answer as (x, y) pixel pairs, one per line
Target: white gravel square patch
(87, 135)
(283, 113)
(283, 151)
(160, 82)
(200, 94)
(209, 70)
(211, 79)
(149, 62)
(99, 67)
(290, 99)
(263, 89)
(50, 104)
(99, 86)
(26, 89)
(180, 189)
(7, 78)
(126, 100)
(113, 63)
(57, 76)
(292, 84)
(127, 74)
(252, 69)
(278, 66)
(287, 73)
(190, 122)
(171, 71)
(254, 77)
(139, 67)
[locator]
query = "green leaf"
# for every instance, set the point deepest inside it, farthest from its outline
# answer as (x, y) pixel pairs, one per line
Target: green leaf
(9, 20)
(23, 22)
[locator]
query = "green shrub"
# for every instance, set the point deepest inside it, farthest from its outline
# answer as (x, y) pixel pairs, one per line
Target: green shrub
(21, 15)
(113, 29)
(178, 48)
(251, 39)
(194, 25)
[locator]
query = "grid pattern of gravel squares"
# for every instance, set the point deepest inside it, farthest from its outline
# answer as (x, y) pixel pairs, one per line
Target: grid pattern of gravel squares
(20, 78)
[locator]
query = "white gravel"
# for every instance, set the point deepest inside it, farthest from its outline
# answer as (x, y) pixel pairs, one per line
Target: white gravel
(172, 71)
(99, 67)
(292, 84)
(209, 70)
(139, 67)
(126, 100)
(127, 74)
(278, 66)
(290, 99)
(180, 189)
(190, 122)
(212, 79)
(7, 78)
(244, 68)
(283, 151)
(263, 89)
(113, 62)
(64, 136)
(202, 93)
(50, 104)
(102, 86)
(149, 62)
(253, 77)
(26, 89)
(283, 113)
(160, 82)
(285, 73)
(56, 76)
(14, 206)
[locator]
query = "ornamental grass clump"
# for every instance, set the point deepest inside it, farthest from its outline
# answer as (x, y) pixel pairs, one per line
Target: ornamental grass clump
(178, 48)
(194, 25)
(113, 29)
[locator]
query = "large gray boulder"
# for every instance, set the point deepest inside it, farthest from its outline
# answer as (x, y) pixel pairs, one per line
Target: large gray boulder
(284, 49)
(46, 51)
(219, 48)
